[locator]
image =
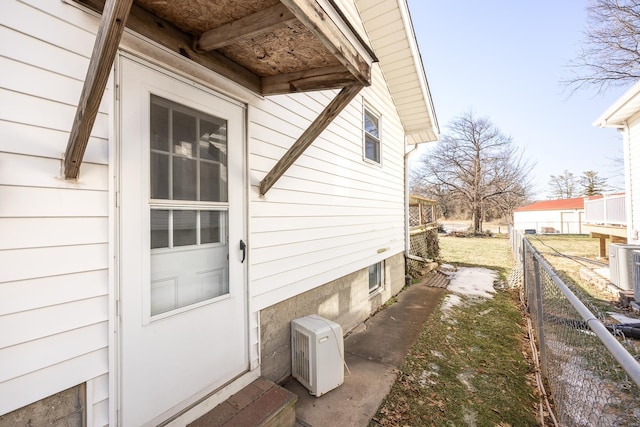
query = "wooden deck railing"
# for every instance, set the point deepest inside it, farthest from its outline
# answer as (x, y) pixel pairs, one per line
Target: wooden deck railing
(608, 210)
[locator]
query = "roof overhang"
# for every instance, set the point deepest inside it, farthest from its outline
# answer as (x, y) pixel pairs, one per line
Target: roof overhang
(268, 46)
(622, 109)
(390, 31)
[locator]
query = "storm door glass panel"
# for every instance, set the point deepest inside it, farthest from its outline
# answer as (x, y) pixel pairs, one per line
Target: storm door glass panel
(188, 208)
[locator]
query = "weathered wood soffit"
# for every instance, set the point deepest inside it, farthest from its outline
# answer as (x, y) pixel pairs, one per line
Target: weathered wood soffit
(268, 46)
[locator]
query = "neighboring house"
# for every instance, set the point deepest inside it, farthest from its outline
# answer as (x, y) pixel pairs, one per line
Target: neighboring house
(551, 216)
(174, 194)
(624, 116)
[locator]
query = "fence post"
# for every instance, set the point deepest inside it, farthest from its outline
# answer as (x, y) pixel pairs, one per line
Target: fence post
(524, 262)
(540, 314)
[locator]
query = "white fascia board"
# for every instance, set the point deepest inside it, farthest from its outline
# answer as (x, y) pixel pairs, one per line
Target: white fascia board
(434, 131)
(349, 32)
(622, 109)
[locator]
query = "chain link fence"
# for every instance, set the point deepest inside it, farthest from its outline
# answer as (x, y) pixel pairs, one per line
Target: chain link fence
(591, 367)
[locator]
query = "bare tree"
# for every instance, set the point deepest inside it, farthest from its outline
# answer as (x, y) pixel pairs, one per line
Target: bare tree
(563, 186)
(616, 172)
(610, 55)
(476, 163)
(592, 183)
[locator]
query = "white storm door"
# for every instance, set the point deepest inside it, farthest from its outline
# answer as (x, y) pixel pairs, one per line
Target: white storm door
(182, 297)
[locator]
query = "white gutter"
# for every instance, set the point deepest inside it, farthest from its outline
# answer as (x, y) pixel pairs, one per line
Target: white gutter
(621, 110)
(632, 232)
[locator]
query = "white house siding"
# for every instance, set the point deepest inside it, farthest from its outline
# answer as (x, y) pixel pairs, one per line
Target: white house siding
(53, 249)
(332, 213)
(320, 221)
(633, 180)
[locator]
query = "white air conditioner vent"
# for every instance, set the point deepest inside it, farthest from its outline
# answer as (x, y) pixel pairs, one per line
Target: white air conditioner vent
(301, 351)
(317, 353)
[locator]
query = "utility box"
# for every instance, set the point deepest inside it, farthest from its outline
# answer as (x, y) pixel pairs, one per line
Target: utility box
(621, 265)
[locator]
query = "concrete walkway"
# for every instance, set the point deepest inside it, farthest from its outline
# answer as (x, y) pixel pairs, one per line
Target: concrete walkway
(372, 353)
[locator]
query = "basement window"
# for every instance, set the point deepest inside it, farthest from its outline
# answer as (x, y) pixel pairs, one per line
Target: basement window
(371, 136)
(375, 276)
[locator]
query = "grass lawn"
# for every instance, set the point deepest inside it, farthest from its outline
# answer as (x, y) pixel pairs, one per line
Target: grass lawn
(569, 269)
(469, 366)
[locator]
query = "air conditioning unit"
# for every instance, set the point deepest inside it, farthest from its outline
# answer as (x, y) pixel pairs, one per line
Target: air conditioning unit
(636, 275)
(317, 353)
(620, 265)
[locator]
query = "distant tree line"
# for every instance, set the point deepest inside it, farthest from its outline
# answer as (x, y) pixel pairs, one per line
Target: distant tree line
(475, 171)
(567, 185)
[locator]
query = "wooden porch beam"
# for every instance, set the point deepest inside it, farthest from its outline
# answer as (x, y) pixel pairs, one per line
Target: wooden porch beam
(300, 81)
(252, 25)
(313, 16)
(114, 17)
(308, 136)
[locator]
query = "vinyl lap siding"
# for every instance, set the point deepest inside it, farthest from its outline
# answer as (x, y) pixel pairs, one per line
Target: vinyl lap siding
(332, 213)
(54, 245)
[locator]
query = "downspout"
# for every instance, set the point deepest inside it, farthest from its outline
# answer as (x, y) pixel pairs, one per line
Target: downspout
(626, 146)
(407, 230)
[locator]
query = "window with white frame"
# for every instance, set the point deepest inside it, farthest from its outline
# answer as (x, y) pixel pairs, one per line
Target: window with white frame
(371, 136)
(376, 274)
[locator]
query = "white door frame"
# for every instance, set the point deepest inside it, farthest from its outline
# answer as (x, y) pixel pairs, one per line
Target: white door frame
(114, 301)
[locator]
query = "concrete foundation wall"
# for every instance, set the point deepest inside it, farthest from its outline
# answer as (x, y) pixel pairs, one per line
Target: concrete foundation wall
(64, 409)
(345, 301)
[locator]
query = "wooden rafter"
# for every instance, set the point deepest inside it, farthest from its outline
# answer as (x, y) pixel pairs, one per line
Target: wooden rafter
(308, 136)
(113, 22)
(311, 14)
(315, 79)
(250, 26)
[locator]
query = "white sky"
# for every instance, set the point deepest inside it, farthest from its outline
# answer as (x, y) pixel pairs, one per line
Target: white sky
(504, 59)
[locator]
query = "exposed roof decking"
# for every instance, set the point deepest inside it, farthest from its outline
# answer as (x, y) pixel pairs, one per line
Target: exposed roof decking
(267, 46)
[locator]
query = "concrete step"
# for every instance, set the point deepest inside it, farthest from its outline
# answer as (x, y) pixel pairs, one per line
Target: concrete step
(260, 404)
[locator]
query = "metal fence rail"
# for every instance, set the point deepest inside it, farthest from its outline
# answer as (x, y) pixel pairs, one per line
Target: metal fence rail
(594, 380)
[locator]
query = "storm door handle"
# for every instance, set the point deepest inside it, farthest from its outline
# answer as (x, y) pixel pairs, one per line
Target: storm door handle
(243, 248)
